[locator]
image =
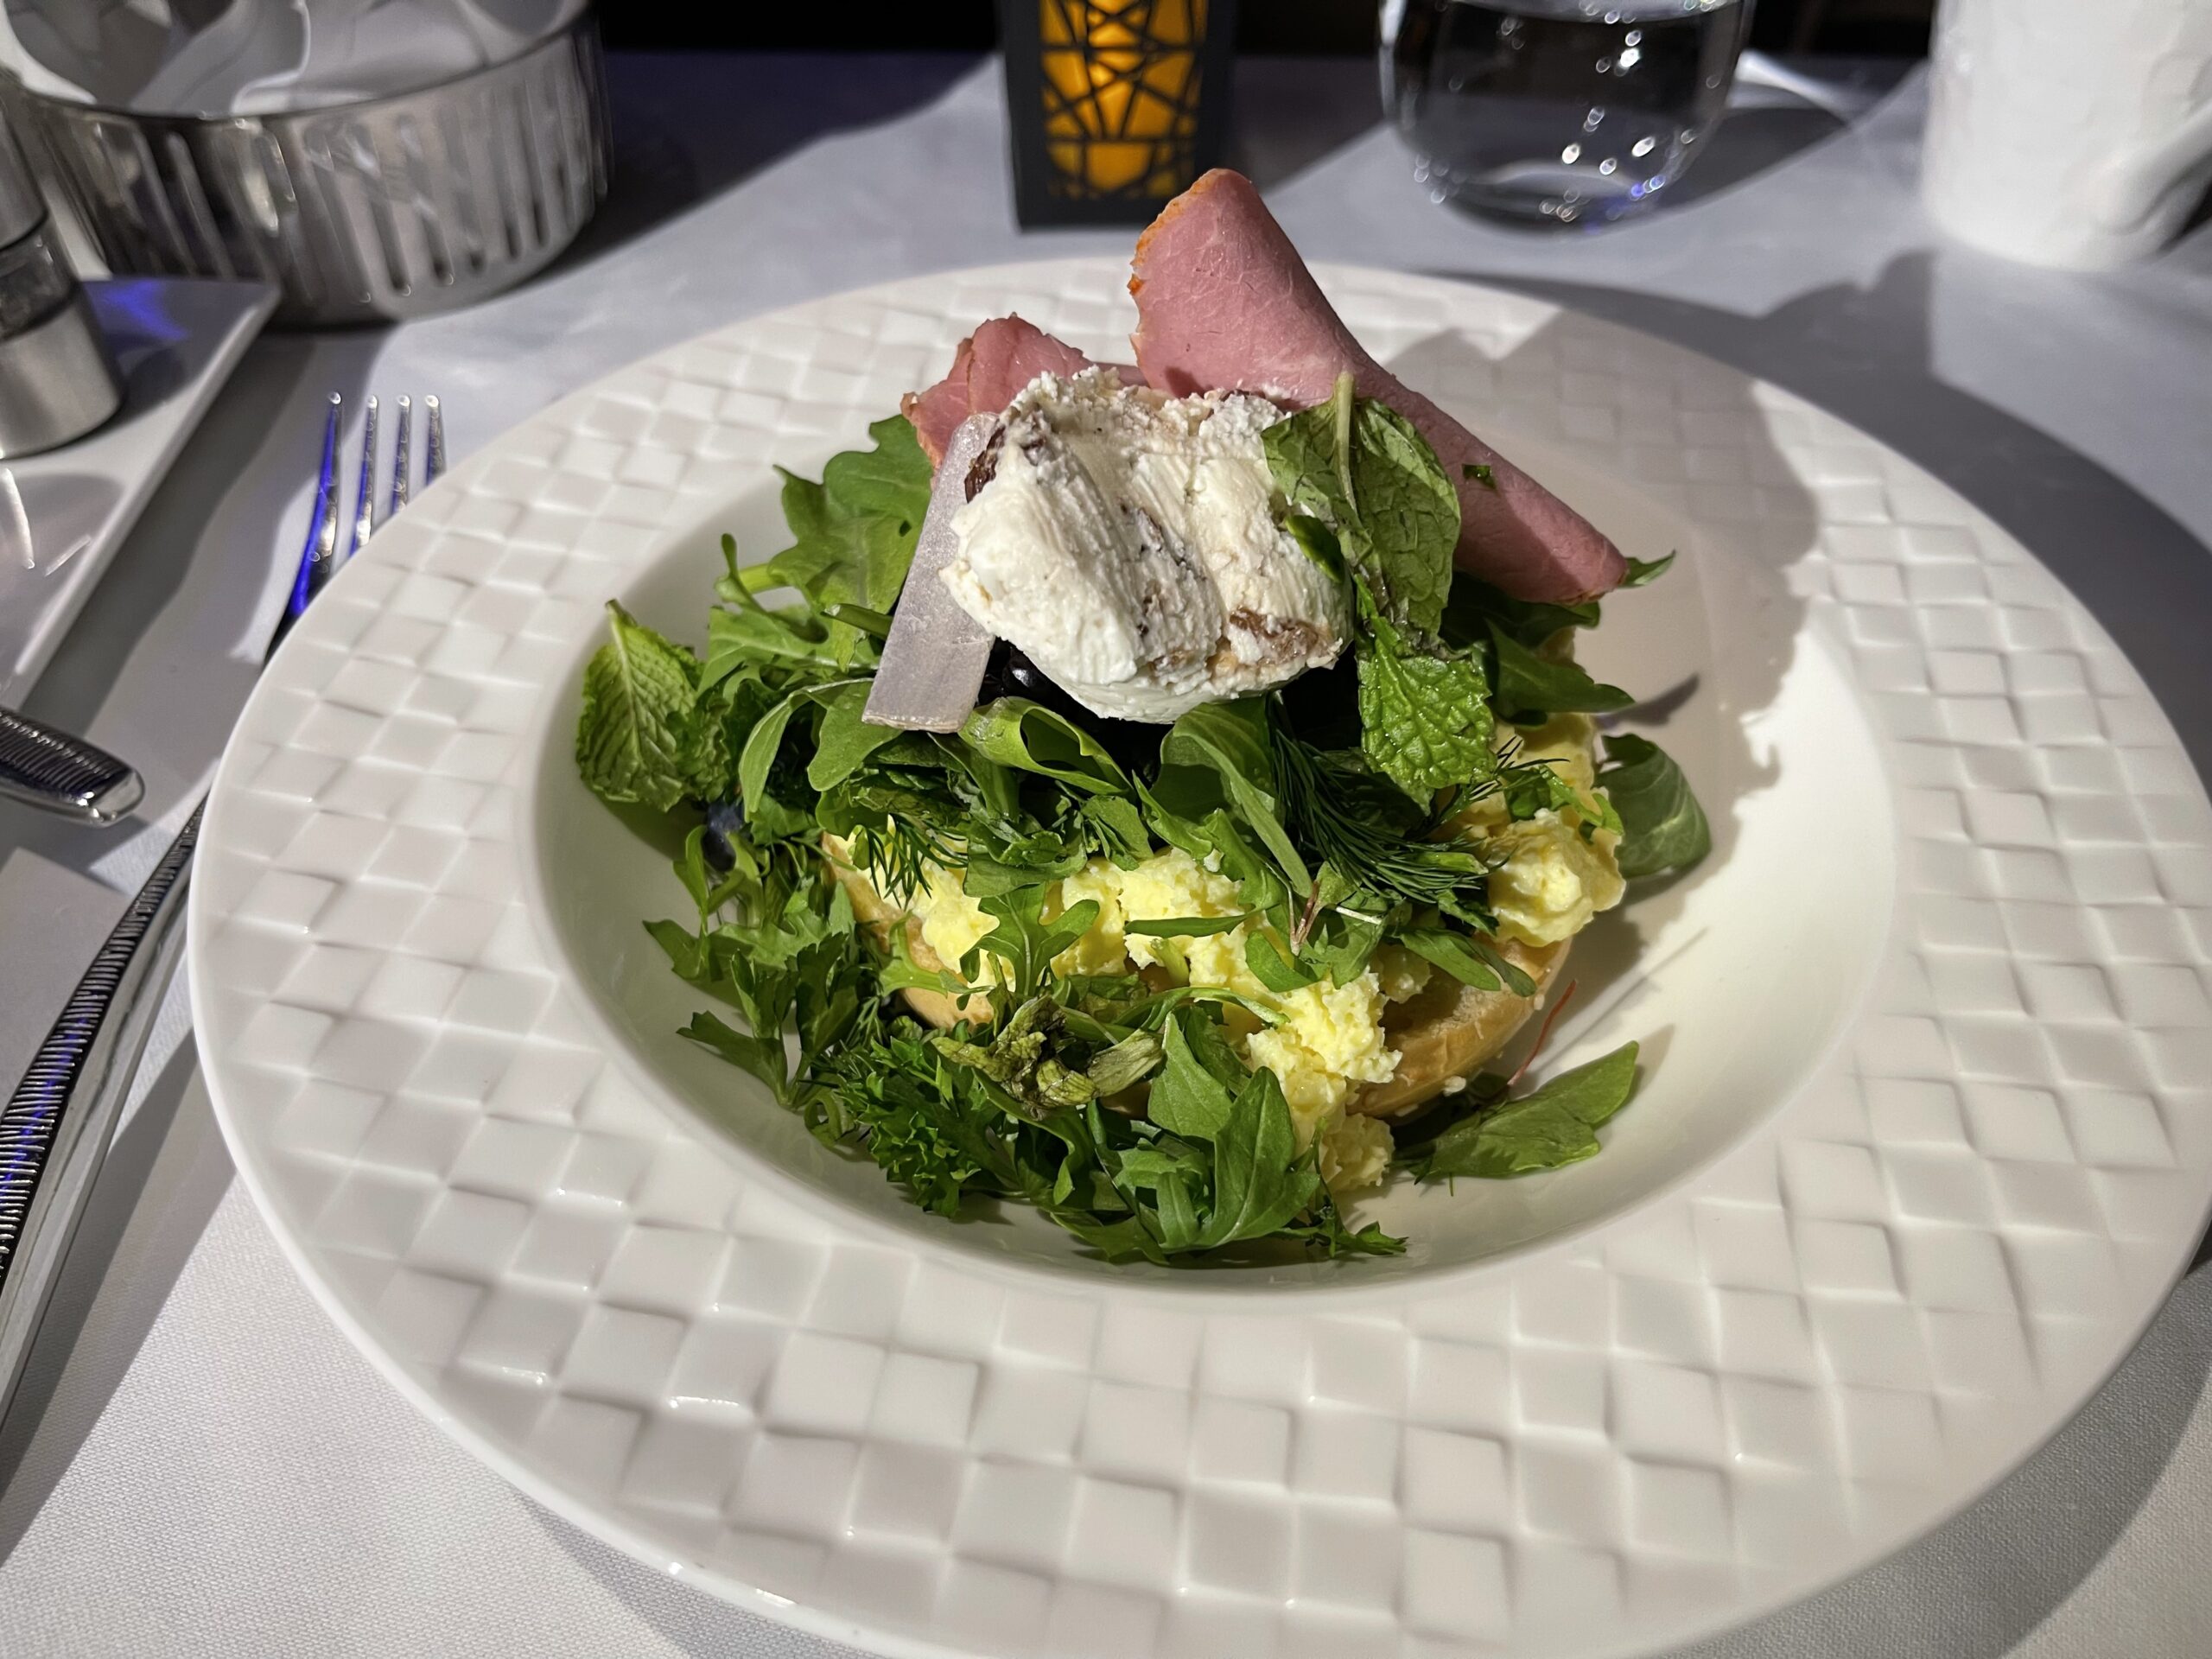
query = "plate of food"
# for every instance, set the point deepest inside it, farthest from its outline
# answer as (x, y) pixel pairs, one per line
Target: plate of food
(1030, 962)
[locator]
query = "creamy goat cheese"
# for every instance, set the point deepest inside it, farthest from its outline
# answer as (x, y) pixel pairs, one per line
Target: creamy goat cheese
(1126, 543)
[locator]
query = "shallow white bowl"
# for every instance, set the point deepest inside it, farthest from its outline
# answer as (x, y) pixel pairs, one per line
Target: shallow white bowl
(1924, 1141)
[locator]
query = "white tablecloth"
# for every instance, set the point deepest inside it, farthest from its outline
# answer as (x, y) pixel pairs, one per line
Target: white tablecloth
(201, 1464)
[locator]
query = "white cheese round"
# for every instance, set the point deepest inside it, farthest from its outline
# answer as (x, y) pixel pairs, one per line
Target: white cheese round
(1126, 543)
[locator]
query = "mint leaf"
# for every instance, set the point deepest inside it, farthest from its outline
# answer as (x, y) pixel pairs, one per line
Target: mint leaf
(1530, 684)
(1424, 720)
(1363, 470)
(636, 725)
(1662, 826)
(1554, 1126)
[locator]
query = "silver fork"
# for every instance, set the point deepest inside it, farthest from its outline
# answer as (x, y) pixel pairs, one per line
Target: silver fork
(55, 1128)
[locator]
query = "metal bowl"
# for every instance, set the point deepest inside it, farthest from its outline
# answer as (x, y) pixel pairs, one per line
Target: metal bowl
(387, 208)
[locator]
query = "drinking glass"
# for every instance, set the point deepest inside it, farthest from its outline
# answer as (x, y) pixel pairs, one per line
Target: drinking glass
(1560, 112)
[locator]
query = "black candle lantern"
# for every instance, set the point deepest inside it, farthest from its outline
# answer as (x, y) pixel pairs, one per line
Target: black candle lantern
(1117, 106)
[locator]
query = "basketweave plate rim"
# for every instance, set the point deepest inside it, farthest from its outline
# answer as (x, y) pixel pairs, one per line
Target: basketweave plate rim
(1790, 1364)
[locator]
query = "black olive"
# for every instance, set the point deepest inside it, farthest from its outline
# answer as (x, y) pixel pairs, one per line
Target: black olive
(724, 818)
(1322, 705)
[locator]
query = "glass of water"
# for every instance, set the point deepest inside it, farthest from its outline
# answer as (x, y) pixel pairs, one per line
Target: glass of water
(1562, 112)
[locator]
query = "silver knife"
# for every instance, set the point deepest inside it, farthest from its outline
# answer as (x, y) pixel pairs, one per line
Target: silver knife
(45, 767)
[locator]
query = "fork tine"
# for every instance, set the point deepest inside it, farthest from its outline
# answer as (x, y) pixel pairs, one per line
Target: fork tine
(400, 455)
(434, 463)
(364, 499)
(322, 529)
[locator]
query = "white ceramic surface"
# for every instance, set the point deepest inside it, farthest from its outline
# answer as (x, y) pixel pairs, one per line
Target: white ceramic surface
(1882, 1231)
(176, 340)
(2070, 135)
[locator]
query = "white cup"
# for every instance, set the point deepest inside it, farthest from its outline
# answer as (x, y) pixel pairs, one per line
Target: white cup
(2073, 133)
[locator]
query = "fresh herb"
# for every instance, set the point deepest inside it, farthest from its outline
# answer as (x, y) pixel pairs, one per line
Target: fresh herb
(1662, 826)
(1531, 685)
(637, 715)
(1546, 1128)
(1364, 471)
(1642, 573)
(1122, 1112)
(1480, 473)
(1424, 718)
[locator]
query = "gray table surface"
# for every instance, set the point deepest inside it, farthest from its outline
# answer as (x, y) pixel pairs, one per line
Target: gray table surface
(199, 1463)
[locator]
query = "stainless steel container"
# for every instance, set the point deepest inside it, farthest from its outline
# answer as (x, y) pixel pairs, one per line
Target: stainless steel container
(57, 379)
(387, 208)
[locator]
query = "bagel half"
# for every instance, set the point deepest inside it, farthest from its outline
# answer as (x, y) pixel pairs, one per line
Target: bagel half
(1443, 1034)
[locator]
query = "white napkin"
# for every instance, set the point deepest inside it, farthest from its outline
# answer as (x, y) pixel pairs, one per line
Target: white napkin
(261, 57)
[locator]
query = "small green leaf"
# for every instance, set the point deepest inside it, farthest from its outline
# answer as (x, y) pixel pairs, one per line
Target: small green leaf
(1187, 1099)
(1662, 826)
(1454, 953)
(1643, 572)
(1548, 1128)
(1260, 1183)
(1364, 471)
(1187, 927)
(1029, 737)
(1527, 683)
(845, 741)
(761, 746)
(1424, 719)
(637, 718)
(1480, 473)
(1270, 967)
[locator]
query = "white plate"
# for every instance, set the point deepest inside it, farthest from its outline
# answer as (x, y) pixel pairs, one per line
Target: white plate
(1924, 1143)
(176, 340)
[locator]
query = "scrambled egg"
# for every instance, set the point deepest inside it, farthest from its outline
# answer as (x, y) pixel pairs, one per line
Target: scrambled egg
(1548, 880)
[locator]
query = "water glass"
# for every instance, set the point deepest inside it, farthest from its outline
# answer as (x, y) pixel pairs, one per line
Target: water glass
(1560, 112)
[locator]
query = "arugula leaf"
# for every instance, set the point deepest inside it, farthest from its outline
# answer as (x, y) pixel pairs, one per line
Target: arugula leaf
(845, 739)
(1424, 720)
(1547, 1129)
(1662, 826)
(1187, 927)
(1187, 1098)
(637, 721)
(1643, 572)
(1023, 940)
(1454, 953)
(1260, 1183)
(1530, 684)
(1475, 607)
(762, 745)
(1029, 737)
(853, 532)
(1363, 469)
(1268, 967)
(1232, 742)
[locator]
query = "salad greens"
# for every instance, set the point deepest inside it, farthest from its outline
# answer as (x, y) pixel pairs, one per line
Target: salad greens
(1336, 817)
